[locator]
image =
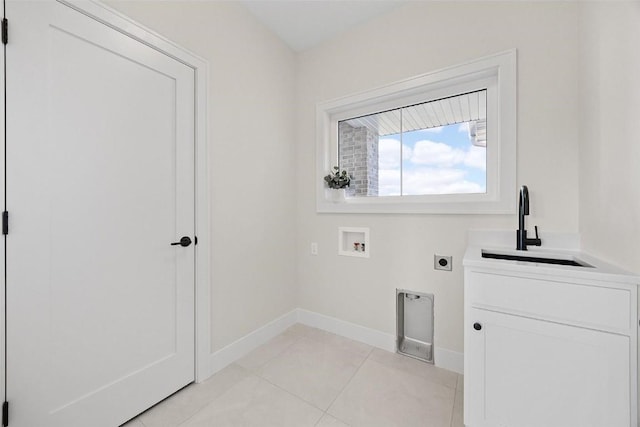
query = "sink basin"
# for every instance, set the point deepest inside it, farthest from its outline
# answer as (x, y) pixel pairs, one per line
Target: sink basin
(536, 258)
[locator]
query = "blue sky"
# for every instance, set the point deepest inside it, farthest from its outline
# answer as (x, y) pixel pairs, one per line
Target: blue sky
(434, 161)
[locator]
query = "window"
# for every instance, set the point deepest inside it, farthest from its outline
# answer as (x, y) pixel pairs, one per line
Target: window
(434, 147)
(443, 142)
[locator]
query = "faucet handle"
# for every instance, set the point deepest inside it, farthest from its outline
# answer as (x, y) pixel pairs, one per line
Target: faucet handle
(536, 241)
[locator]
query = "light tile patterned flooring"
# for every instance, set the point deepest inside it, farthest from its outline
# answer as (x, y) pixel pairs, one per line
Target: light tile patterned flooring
(308, 377)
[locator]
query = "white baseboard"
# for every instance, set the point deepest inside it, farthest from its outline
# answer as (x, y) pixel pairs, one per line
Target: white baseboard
(444, 358)
(348, 330)
(449, 359)
(239, 348)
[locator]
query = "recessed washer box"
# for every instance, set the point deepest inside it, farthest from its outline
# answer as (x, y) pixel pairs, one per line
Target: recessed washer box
(354, 241)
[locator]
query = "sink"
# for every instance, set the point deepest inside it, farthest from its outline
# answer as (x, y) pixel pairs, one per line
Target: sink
(536, 258)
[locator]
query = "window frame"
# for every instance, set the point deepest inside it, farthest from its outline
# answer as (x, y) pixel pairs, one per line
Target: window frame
(496, 73)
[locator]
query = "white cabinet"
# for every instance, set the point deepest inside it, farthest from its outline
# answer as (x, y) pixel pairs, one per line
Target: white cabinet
(545, 351)
(524, 372)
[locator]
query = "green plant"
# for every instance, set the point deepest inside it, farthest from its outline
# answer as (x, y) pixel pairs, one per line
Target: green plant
(338, 179)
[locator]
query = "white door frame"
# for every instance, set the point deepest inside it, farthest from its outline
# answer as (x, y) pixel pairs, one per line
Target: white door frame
(3, 276)
(125, 25)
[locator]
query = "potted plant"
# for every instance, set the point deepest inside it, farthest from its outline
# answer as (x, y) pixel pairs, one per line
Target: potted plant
(336, 183)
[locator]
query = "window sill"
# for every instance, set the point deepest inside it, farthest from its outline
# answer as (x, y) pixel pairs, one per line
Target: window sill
(445, 204)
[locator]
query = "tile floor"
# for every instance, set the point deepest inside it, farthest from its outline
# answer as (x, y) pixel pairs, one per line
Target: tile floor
(308, 377)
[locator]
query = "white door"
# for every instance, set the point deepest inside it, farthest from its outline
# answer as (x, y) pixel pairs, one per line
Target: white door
(530, 373)
(100, 182)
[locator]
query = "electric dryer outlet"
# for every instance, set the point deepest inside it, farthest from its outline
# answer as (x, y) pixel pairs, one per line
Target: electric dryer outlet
(442, 262)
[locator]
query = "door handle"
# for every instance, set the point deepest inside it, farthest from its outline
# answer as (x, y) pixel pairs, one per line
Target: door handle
(184, 242)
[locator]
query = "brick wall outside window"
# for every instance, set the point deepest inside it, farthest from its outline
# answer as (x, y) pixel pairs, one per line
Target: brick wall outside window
(359, 157)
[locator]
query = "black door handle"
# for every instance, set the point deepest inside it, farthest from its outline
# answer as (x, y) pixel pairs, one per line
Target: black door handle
(184, 242)
(477, 326)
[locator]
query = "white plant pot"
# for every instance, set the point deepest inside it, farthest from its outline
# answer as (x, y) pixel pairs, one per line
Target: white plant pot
(335, 195)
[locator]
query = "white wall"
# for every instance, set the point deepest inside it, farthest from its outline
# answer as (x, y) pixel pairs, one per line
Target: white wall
(412, 40)
(577, 150)
(610, 131)
(251, 114)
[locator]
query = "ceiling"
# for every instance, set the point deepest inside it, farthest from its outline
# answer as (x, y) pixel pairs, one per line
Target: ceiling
(303, 24)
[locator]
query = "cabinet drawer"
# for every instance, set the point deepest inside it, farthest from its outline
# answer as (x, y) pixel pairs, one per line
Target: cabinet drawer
(573, 303)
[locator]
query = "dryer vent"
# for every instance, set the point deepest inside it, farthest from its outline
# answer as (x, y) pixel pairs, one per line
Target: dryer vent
(414, 324)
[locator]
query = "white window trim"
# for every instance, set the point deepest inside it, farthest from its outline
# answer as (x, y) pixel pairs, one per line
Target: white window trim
(496, 72)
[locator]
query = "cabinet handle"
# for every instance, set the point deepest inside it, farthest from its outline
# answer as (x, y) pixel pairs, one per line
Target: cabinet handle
(477, 326)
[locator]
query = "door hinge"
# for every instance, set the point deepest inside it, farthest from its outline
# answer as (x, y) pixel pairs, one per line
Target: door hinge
(5, 414)
(5, 31)
(5, 223)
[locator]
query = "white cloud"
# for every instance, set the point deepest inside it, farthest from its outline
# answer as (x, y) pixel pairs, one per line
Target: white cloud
(436, 153)
(464, 127)
(438, 181)
(476, 157)
(389, 182)
(407, 152)
(439, 154)
(389, 153)
(426, 181)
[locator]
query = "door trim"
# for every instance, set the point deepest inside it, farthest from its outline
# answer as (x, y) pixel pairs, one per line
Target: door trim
(200, 66)
(3, 245)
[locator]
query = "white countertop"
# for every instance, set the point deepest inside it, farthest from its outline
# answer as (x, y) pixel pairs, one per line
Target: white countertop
(558, 245)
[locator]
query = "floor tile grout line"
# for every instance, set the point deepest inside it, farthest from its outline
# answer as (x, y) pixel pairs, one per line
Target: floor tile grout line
(200, 408)
(255, 372)
(324, 411)
(428, 378)
(289, 392)
(455, 399)
(453, 407)
(153, 408)
(183, 422)
(320, 419)
(349, 381)
(455, 396)
(186, 420)
(250, 373)
(140, 421)
(297, 397)
(341, 337)
(295, 340)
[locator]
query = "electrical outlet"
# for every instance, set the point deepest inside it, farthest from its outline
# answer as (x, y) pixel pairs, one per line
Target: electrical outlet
(442, 262)
(314, 248)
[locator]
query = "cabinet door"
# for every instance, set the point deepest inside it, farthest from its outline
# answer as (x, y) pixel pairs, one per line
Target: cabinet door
(522, 372)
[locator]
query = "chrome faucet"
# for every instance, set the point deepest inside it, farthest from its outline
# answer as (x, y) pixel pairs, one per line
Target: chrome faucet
(521, 235)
